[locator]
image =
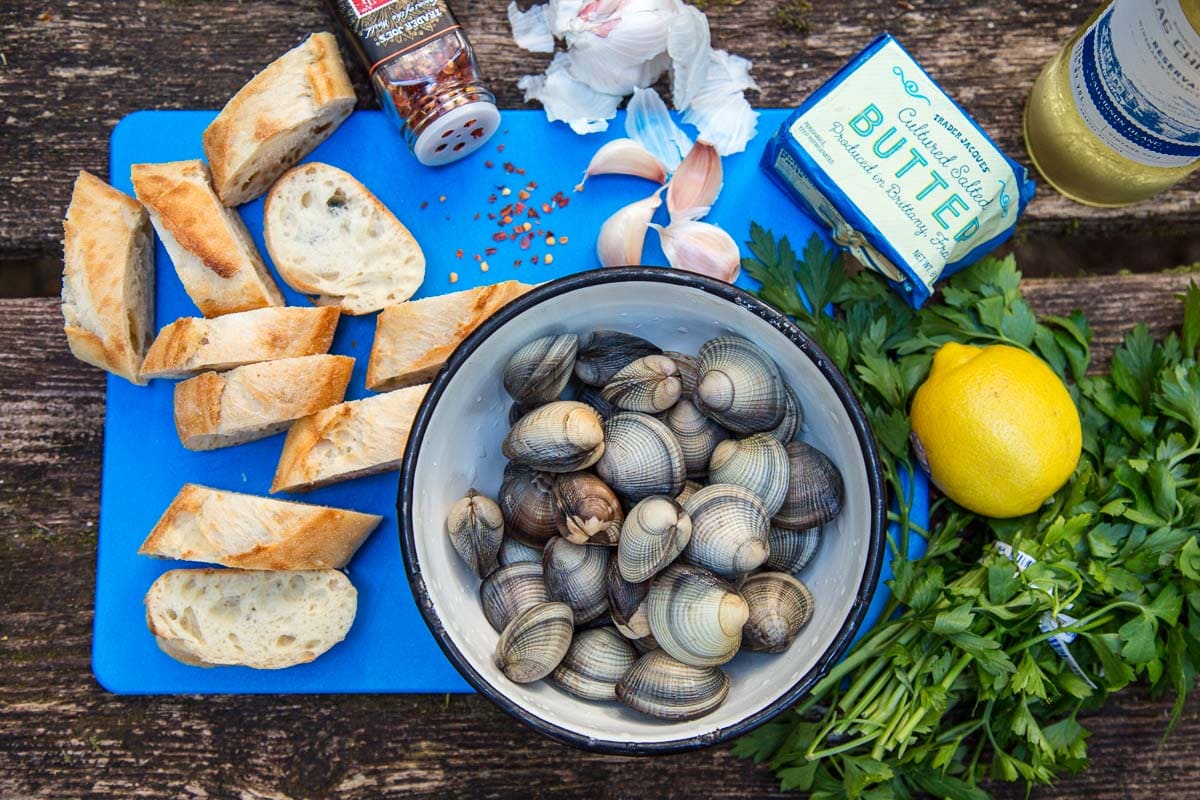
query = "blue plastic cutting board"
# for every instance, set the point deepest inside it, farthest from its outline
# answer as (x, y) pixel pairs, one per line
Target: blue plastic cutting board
(389, 649)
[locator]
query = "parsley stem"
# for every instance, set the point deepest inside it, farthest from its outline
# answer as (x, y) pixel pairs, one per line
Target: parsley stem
(905, 522)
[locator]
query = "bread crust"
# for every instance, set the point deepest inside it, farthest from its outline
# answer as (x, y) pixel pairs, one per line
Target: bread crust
(396, 363)
(293, 105)
(108, 278)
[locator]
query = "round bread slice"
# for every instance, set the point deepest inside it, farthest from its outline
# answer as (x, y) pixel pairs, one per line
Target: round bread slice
(264, 620)
(333, 240)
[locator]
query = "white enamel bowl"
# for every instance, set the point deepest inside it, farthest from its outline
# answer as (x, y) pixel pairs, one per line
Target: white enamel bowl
(455, 445)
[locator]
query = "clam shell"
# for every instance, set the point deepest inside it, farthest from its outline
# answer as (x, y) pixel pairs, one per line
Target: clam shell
(476, 527)
(518, 410)
(527, 502)
(535, 641)
(780, 606)
(590, 395)
(791, 551)
(695, 616)
(739, 385)
(563, 436)
(594, 663)
(650, 384)
(511, 590)
(587, 511)
(689, 370)
(655, 532)
(514, 551)
(602, 353)
(641, 457)
(539, 371)
(697, 435)
(689, 489)
(758, 462)
(814, 494)
(660, 686)
(729, 530)
(575, 575)
(793, 417)
(627, 603)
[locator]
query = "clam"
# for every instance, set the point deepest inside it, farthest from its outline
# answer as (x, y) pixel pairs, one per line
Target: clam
(594, 663)
(590, 395)
(518, 410)
(689, 370)
(697, 435)
(660, 686)
(640, 458)
(739, 385)
(729, 530)
(535, 641)
(587, 511)
(627, 603)
(527, 502)
(758, 462)
(780, 606)
(655, 532)
(789, 426)
(689, 489)
(695, 616)
(562, 436)
(602, 353)
(476, 527)
(511, 590)
(650, 384)
(539, 371)
(575, 575)
(514, 551)
(814, 494)
(791, 551)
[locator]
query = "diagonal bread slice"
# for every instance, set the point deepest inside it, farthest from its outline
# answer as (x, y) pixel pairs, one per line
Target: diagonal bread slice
(278, 118)
(414, 339)
(243, 530)
(264, 620)
(213, 253)
(349, 440)
(195, 344)
(108, 278)
(222, 409)
(333, 240)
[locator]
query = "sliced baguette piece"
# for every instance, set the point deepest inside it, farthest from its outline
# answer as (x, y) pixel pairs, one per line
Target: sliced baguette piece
(278, 118)
(108, 278)
(264, 620)
(213, 253)
(195, 344)
(244, 530)
(222, 409)
(333, 240)
(349, 440)
(414, 339)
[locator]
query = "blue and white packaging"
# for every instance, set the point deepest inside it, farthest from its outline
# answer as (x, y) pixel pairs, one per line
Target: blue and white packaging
(901, 175)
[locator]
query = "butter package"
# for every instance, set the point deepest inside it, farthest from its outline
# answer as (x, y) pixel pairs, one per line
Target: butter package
(901, 175)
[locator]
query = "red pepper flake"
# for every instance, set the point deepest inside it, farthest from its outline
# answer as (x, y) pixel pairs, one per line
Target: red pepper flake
(424, 204)
(532, 214)
(509, 167)
(547, 208)
(479, 257)
(506, 191)
(476, 215)
(524, 195)
(526, 240)
(442, 198)
(488, 164)
(500, 147)
(506, 219)
(500, 237)
(533, 259)
(491, 198)
(491, 215)
(490, 251)
(458, 253)
(519, 208)
(517, 263)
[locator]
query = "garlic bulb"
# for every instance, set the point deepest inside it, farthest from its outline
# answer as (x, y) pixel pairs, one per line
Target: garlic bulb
(583, 108)
(623, 235)
(616, 45)
(696, 184)
(624, 157)
(700, 247)
(530, 29)
(648, 122)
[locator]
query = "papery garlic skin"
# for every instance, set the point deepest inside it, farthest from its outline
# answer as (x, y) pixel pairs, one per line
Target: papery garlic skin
(648, 122)
(566, 99)
(530, 29)
(719, 110)
(619, 45)
(695, 185)
(625, 157)
(689, 44)
(623, 235)
(702, 248)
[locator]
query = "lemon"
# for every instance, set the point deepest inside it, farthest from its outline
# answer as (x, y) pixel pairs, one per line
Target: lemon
(999, 431)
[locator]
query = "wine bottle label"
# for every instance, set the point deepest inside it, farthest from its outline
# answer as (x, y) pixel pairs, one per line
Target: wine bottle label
(383, 29)
(1135, 79)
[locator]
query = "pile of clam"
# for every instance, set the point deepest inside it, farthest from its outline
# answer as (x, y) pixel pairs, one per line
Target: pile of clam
(652, 526)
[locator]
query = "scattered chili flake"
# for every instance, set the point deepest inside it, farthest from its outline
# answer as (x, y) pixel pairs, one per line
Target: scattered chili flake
(490, 251)
(454, 277)
(547, 208)
(520, 171)
(519, 208)
(517, 263)
(524, 195)
(491, 198)
(488, 164)
(509, 167)
(562, 240)
(506, 191)
(506, 219)
(424, 204)
(527, 226)
(549, 258)
(525, 242)
(533, 259)
(491, 215)
(550, 240)
(458, 252)
(442, 198)
(478, 257)
(532, 214)
(476, 215)
(483, 266)
(500, 147)
(500, 237)
(531, 185)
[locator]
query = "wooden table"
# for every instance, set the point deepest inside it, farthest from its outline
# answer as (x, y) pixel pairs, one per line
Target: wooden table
(70, 70)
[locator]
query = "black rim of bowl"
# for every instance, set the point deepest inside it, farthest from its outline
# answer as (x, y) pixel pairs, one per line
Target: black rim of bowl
(862, 431)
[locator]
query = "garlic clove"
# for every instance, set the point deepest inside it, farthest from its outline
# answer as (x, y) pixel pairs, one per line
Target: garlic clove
(700, 247)
(624, 157)
(623, 235)
(565, 98)
(648, 122)
(696, 184)
(531, 29)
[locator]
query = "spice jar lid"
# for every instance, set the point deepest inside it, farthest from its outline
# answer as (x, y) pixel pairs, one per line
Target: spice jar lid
(456, 133)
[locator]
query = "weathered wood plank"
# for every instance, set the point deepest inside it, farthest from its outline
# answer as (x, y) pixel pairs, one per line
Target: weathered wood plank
(70, 70)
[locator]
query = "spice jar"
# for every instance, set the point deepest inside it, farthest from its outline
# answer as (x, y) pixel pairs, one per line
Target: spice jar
(424, 73)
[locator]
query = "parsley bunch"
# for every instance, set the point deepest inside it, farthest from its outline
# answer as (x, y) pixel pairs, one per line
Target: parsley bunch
(981, 667)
